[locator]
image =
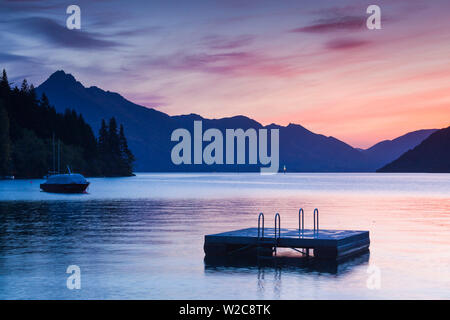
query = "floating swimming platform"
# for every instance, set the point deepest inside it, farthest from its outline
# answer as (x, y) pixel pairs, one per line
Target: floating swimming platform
(263, 242)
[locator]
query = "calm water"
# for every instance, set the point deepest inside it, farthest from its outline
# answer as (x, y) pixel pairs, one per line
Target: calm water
(142, 237)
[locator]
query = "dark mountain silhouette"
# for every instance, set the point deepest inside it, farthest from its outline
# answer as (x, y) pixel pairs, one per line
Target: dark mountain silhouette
(149, 131)
(143, 125)
(432, 155)
(301, 148)
(388, 150)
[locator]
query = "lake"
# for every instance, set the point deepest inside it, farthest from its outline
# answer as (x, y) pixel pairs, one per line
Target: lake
(142, 237)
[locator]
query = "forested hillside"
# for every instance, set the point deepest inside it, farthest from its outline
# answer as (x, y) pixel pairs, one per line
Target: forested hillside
(29, 125)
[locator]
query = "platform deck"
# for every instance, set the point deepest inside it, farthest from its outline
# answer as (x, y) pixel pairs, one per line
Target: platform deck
(331, 244)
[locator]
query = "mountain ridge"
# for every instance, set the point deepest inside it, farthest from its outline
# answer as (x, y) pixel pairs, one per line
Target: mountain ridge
(432, 155)
(147, 128)
(392, 149)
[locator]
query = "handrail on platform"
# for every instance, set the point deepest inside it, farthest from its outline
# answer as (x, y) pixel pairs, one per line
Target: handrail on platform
(316, 217)
(301, 221)
(277, 225)
(261, 215)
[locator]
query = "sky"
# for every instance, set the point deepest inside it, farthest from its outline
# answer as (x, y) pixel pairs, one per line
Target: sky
(309, 62)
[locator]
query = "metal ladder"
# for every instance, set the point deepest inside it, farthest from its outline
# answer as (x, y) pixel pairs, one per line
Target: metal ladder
(277, 218)
(277, 228)
(301, 226)
(316, 217)
(301, 222)
(260, 217)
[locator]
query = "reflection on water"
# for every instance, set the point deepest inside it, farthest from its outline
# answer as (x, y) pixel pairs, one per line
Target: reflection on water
(300, 264)
(275, 269)
(142, 237)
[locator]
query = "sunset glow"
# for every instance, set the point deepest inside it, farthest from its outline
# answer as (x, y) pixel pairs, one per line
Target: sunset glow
(312, 63)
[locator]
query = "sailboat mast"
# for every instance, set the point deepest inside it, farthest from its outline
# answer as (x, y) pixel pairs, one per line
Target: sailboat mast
(53, 143)
(59, 156)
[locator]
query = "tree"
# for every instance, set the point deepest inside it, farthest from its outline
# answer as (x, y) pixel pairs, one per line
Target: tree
(103, 138)
(103, 148)
(30, 156)
(4, 77)
(127, 158)
(114, 147)
(24, 88)
(5, 144)
(116, 157)
(45, 103)
(113, 137)
(32, 92)
(4, 84)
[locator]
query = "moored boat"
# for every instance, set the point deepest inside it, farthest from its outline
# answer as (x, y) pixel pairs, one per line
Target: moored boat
(65, 183)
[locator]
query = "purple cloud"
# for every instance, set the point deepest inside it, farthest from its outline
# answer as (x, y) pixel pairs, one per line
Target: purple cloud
(59, 35)
(340, 11)
(149, 100)
(136, 32)
(205, 62)
(335, 24)
(25, 6)
(243, 63)
(8, 57)
(221, 42)
(240, 63)
(346, 44)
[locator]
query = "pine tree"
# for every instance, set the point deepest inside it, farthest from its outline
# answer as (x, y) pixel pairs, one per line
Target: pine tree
(24, 87)
(114, 147)
(5, 145)
(116, 157)
(4, 84)
(45, 103)
(4, 77)
(32, 92)
(113, 137)
(103, 148)
(127, 158)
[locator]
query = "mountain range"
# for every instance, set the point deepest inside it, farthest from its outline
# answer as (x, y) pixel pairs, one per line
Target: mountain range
(149, 131)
